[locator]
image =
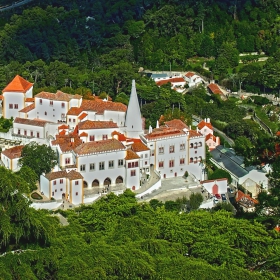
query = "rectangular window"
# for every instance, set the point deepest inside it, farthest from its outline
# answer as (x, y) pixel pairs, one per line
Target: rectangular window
(152, 153)
(160, 164)
(171, 163)
(76, 183)
(146, 162)
(91, 166)
(146, 155)
(91, 138)
(38, 134)
(74, 120)
(46, 113)
(40, 101)
(62, 116)
(61, 181)
(25, 132)
(62, 105)
(182, 147)
(61, 190)
(67, 161)
(69, 119)
(182, 161)
(54, 182)
(11, 106)
(82, 167)
(105, 137)
(160, 150)
(55, 190)
(129, 165)
(120, 162)
(111, 164)
(16, 106)
(136, 164)
(18, 132)
(101, 165)
(51, 103)
(31, 133)
(133, 173)
(171, 149)
(52, 193)
(77, 193)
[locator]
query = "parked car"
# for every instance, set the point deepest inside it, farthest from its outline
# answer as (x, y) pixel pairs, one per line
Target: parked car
(216, 200)
(217, 196)
(224, 198)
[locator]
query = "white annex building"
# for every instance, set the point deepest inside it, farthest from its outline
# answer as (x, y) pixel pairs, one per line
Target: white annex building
(99, 143)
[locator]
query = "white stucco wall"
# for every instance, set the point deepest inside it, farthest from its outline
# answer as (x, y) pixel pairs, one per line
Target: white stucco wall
(48, 112)
(12, 98)
(22, 128)
(76, 191)
(101, 175)
(44, 186)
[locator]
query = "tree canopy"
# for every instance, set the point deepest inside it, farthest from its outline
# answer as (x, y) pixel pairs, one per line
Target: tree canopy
(40, 158)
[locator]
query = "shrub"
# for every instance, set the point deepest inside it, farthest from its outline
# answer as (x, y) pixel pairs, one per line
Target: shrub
(36, 196)
(186, 174)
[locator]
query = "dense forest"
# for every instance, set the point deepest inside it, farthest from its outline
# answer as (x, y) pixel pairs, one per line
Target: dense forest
(94, 46)
(81, 43)
(119, 238)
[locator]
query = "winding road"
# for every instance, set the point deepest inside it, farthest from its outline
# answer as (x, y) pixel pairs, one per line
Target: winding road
(14, 5)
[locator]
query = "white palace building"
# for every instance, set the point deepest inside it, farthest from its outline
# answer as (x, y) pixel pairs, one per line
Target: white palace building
(99, 143)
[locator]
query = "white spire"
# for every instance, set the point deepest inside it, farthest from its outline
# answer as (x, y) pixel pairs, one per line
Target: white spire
(133, 120)
(150, 129)
(157, 124)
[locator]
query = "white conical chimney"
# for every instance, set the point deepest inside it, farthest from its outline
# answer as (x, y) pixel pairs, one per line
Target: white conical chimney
(133, 120)
(157, 124)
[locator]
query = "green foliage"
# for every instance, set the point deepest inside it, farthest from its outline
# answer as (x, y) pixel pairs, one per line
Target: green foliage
(219, 174)
(39, 158)
(195, 201)
(37, 196)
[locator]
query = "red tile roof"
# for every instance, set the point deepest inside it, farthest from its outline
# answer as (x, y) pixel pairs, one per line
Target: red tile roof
(56, 175)
(28, 108)
(214, 180)
(34, 122)
(210, 136)
(203, 123)
(74, 111)
(176, 123)
(58, 96)
(83, 134)
(14, 152)
(67, 142)
(163, 132)
(1, 97)
(96, 125)
(171, 80)
(18, 84)
(241, 196)
(99, 107)
(99, 147)
(82, 116)
(62, 132)
(194, 133)
(74, 175)
(131, 155)
(29, 99)
(189, 74)
(215, 89)
(63, 126)
(139, 147)
(121, 137)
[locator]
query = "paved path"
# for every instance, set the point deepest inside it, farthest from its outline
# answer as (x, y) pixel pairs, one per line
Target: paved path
(14, 5)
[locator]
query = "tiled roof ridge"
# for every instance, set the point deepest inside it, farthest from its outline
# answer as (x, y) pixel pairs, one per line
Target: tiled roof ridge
(18, 84)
